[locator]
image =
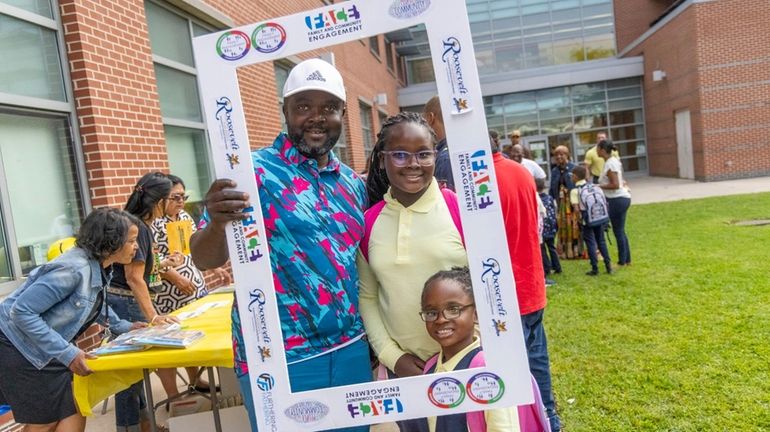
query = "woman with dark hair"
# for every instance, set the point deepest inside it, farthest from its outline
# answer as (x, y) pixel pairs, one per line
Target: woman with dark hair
(618, 197)
(57, 303)
(135, 285)
(181, 284)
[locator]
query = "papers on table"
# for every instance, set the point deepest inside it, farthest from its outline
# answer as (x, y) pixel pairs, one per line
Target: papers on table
(201, 309)
(167, 336)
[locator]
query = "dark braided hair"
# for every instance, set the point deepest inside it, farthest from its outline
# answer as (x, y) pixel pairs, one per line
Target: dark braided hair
(377, 179)
(461, 275)
(148, 192)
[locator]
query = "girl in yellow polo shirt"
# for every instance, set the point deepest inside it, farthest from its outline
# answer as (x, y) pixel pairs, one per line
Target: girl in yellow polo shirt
(412, 238)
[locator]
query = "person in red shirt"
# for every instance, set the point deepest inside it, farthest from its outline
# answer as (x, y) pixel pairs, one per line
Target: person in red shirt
(518, 199)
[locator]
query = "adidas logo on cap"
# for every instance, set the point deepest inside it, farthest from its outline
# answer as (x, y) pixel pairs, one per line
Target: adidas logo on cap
(315, 76)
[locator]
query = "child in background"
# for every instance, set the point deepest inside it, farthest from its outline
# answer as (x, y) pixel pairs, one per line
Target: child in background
(548, 246)
(449, 312)
(593, 236)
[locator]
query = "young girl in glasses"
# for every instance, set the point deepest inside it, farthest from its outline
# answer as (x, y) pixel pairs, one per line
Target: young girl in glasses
(450, 319)
(411, 231)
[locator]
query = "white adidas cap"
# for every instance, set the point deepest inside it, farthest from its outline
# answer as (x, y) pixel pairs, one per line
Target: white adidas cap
(314, 74)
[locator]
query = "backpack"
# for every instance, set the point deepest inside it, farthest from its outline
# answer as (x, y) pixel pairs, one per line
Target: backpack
(549, 221)
(593, 205)
(371, 215)
(532, 417)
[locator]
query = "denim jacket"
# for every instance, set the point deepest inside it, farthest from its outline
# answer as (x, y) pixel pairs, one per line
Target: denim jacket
(43, 316)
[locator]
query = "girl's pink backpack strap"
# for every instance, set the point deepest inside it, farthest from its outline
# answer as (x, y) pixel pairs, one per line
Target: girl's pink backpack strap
(454, 210)
(370, 216)
(430, 364)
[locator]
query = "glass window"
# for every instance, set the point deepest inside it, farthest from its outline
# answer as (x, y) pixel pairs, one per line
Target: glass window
(188, 158)
(40, 7)
(32, 65)
(420, 71)
(281, 75)
(366, 128)
(575, 115)
(178, 93)
(341, 148)
(169, 34)
(389, 55)
(625, 104)
(626, 117)
(374, 45)
(42, 144)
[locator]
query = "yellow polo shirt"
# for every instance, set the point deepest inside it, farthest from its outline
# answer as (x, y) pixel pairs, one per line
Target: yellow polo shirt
(498, 420)
(407, 245)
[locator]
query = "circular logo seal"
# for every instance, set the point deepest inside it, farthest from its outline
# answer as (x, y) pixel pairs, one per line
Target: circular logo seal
(265, 382)
(233, 45)
(268, 38)
(446, 393)
(485, 388)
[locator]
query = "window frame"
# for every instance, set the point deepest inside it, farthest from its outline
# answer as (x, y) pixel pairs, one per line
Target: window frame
(158, 59)
(20, 105)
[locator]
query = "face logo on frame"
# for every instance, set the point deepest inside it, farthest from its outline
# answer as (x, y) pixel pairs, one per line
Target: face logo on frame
(446, 393)
(404, 9)
(333, 23)
(268, 38)
(485, 388)
(233, 45)
(475, 189)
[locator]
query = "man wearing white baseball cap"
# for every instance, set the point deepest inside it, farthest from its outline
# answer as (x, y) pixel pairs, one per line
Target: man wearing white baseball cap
(313, 206)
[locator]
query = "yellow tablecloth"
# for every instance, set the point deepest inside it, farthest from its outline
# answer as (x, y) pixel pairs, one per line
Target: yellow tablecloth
(117, 372)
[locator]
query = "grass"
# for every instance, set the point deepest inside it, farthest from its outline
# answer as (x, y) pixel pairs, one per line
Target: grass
(679, 341)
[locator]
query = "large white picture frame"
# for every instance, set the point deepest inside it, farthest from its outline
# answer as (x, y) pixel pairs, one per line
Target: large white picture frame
(505, 380)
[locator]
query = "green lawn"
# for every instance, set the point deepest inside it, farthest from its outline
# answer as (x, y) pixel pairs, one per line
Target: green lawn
(679, 341)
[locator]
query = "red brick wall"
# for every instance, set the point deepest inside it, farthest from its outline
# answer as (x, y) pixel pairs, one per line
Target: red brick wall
(115, 94)
(633, 18)
(718, 70)
(734, 52)
(673, 50)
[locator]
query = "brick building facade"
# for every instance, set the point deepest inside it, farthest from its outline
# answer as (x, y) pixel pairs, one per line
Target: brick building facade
(716, 60)
(112, 89)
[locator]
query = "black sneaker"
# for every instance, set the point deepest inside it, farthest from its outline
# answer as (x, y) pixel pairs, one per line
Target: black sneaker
(592, 273)
(609, 269)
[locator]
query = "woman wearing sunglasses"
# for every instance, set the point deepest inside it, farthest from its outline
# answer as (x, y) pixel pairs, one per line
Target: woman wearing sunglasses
(411, 233)
(181, 284)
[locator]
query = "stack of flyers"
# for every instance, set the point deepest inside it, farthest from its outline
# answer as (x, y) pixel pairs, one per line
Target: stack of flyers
(168, 336)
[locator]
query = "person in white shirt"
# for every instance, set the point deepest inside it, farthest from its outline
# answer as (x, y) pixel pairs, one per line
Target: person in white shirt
(618, 197)
(517, 154)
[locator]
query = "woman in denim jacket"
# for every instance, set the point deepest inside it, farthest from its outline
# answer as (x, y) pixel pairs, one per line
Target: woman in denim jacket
(41, 319)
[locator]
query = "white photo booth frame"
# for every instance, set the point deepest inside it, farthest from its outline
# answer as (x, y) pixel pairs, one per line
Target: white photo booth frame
(505, 381)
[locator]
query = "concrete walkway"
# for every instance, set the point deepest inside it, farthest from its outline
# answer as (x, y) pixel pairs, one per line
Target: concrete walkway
(645, 190)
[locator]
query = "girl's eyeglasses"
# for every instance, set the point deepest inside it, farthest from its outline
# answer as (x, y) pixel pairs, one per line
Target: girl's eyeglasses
(450, 313)
(179, 198)
(402, 158)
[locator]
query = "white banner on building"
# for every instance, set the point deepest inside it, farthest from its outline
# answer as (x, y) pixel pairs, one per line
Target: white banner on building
(505, 380)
